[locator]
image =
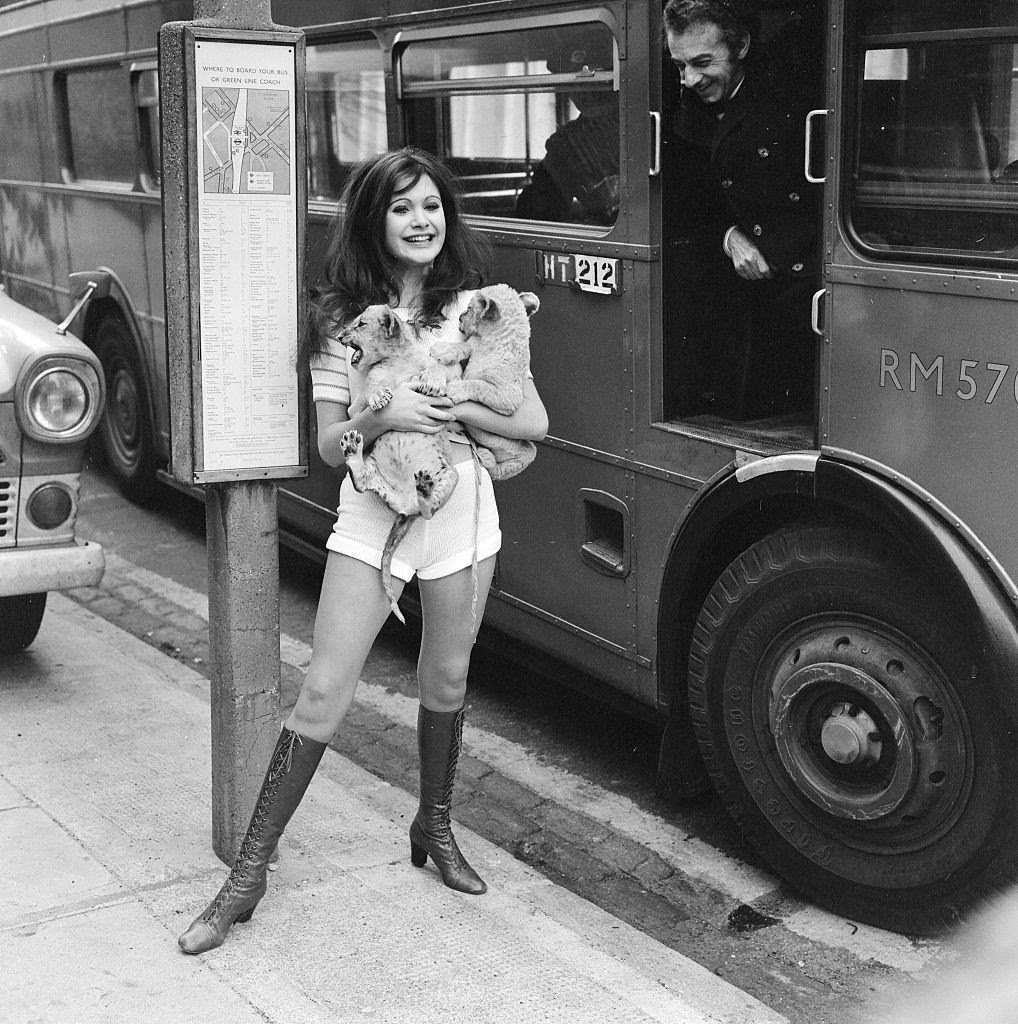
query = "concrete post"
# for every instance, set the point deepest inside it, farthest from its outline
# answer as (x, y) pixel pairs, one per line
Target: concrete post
(241, 519)
(242, 536)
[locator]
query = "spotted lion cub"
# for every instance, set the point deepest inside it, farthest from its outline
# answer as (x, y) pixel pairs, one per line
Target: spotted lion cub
(495, 344)
(411, 471)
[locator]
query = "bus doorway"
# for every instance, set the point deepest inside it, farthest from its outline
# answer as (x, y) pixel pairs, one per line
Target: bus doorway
(739, 351)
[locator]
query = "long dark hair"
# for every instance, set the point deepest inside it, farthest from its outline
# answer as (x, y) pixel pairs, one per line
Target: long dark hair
(359, 271)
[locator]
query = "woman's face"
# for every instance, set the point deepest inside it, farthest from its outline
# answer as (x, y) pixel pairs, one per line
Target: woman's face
(415, 225)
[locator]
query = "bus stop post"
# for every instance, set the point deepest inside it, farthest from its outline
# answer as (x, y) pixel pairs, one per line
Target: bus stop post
(232, 124)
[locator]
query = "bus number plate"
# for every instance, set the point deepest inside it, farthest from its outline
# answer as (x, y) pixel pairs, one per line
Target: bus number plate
(598, 274)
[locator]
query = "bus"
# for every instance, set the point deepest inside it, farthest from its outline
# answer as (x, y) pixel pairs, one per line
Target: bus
(813, 592)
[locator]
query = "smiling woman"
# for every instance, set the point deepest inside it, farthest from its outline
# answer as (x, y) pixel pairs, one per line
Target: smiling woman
(401, 253)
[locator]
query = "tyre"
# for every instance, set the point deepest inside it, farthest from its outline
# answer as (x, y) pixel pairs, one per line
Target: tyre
(20, 619)
(125, 431)
(846, 721)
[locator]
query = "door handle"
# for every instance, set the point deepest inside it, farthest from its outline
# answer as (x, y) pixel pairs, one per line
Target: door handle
(809, 145)
(815, 313)
(655, 120)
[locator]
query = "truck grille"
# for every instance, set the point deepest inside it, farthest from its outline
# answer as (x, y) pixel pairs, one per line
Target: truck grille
(8, 512)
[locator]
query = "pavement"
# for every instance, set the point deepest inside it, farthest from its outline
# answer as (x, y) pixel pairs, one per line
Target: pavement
(105, 838)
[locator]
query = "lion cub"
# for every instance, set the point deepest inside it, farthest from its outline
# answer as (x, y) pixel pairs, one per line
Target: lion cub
(411, 471)
(495, 344)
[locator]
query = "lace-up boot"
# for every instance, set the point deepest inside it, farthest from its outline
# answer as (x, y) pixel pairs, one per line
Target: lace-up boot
(439, 739)
(291, 767)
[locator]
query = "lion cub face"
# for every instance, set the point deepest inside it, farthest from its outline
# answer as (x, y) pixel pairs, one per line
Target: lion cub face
(498, 312)
(375, 336)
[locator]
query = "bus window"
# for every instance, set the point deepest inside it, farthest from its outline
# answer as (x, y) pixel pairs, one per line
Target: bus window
(99, 125)
(346, 111)
(935, 169)
(146, 102)
(739, 351)
(528, 119)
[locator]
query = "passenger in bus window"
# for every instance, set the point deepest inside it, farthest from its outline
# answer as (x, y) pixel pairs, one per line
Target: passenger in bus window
(578, 179)
(744, 109)
(401, 242)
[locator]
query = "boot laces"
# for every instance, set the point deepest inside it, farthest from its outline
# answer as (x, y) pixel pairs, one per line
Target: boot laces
(282, 760)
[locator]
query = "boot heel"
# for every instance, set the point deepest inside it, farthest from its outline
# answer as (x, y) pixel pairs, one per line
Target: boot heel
(418, 855)
(246, 916)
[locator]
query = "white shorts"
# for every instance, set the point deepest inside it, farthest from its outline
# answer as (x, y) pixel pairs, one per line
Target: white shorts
(432, 548)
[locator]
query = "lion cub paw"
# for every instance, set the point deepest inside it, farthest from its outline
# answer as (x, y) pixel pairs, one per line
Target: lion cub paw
(351, 443)
(425, 481)
(456, 391)
(381, 398)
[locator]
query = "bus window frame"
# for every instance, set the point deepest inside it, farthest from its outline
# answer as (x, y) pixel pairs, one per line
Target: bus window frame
(148, 154)
(535, 84)
(65, 147)
(973, 196)
(324, 204)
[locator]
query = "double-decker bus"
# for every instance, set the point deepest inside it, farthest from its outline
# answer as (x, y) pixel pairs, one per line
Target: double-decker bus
(815, 594)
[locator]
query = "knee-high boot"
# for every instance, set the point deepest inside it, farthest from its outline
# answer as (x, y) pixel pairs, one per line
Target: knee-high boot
(439, 738)
(291, 767)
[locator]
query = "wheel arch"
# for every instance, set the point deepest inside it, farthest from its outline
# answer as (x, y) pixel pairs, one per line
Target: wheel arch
(744, 503)
(118, 302)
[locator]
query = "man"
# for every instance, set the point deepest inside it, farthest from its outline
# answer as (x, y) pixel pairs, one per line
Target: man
(747, 115)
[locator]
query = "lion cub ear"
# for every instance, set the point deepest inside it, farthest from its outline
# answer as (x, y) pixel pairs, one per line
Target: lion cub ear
(489, 309)
(390, 323)
(531, 303)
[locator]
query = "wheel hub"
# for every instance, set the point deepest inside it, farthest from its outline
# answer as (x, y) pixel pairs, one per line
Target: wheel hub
(843, 739)
(850, 736)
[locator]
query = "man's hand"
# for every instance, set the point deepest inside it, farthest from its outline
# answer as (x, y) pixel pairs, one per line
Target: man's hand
(747, 259)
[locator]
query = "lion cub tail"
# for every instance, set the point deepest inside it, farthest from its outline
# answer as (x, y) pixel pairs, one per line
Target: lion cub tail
(396, 534)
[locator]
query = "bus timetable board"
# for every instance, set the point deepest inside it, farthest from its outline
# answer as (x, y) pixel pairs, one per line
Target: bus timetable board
(234, 224)
(247, 241)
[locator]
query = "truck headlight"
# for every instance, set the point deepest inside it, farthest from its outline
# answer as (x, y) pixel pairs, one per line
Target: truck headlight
(61, 401)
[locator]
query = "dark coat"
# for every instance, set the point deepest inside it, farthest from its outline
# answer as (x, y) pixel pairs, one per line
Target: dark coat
(754, 157)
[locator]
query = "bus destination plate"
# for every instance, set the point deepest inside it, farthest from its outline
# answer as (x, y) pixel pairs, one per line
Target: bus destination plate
(601, 275)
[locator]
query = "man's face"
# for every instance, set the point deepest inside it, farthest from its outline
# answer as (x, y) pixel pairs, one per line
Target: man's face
(707, 66)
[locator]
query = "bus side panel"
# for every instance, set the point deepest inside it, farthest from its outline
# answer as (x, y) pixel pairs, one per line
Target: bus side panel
(143, 22)
(571, 648)
(570, 333)
(27, 219)
(103, 32)
(661, 503)
(545, 522)
(912, 383)
(20, 48)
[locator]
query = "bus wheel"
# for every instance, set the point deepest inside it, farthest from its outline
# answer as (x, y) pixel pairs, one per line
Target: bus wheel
(846, 722)
(20, 619)
(125, 431)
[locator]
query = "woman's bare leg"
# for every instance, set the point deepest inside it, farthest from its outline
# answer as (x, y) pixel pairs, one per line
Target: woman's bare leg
(351, 610)
(449, 633)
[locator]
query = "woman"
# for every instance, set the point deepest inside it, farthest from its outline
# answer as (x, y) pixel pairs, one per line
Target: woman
(403, 242)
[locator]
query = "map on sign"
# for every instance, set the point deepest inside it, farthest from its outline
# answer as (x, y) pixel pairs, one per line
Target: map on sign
(246, 137)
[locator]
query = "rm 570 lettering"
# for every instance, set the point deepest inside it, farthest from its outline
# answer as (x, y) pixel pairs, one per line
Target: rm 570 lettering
(974, 379)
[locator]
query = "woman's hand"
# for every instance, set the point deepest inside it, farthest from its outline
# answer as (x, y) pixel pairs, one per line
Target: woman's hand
(406, 410)
(410, 410)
